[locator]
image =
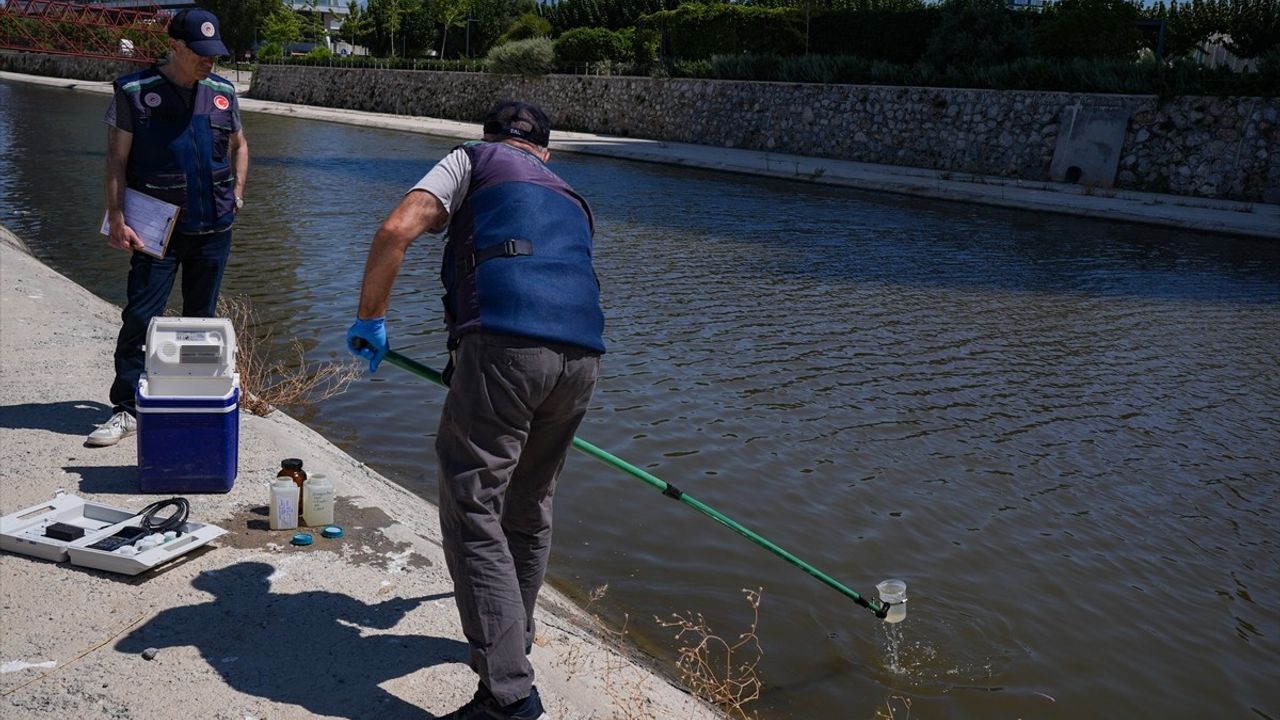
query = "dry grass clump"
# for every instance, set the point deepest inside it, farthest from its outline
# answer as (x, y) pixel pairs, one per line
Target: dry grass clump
(716, 670)
(266, 384)
(888, 712)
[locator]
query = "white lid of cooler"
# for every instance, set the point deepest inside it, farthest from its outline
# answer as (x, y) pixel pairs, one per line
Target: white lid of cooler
(191, 348)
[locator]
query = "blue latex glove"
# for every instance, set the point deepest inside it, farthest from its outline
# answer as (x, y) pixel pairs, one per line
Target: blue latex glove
(368, 339)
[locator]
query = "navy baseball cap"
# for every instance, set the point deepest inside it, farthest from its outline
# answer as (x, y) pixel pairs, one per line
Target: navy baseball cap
(521, 120)
(198, 30)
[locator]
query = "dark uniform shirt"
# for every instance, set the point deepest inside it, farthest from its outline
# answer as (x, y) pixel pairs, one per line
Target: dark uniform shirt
(119, 116)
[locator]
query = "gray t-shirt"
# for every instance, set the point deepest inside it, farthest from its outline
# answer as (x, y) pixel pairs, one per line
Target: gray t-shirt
(449, 180)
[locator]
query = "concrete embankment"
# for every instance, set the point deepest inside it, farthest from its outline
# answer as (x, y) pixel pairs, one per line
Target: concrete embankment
(1258, 220)
(250, 626)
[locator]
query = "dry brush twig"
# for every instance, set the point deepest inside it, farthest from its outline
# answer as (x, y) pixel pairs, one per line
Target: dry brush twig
(266, 384)
(716, 670)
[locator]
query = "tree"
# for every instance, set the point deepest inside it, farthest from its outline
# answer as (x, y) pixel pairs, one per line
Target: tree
(240, 20)
(611, 14)
(282, 27)
(1253, 27)
(1189, 25)
(384, 19)
(417, 29)
(355, 28)
(489, 19)
(1089, 29)
(976, 33)
(449, 13)
(312, 24)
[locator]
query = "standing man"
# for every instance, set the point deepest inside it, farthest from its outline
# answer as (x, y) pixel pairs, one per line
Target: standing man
(173, 132)
(522, 305)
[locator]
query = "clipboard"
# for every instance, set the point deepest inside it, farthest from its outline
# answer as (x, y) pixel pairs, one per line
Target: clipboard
(151, 219)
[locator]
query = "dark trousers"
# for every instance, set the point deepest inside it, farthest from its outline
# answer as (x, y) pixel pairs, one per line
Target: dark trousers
(202, 259)
(508, 422)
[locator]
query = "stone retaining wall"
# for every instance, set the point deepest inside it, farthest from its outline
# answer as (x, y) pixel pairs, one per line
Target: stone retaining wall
(65, 66)
(1200, 146)
(1208, 147)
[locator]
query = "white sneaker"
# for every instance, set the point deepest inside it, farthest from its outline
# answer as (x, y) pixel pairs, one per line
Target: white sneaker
(120, 426)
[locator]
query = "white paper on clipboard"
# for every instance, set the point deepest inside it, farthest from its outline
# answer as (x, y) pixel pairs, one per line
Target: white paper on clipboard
(153, 221)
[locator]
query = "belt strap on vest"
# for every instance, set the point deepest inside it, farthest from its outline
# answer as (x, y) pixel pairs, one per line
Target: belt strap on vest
(506, 248)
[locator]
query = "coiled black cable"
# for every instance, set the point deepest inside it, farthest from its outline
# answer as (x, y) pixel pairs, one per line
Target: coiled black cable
(173, 522)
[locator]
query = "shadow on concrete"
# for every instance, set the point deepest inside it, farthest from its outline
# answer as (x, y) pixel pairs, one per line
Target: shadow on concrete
(106, 479)
(305, 649)
(65, 418)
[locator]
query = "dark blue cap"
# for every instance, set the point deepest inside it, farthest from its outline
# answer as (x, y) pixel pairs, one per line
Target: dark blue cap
(522, 120)
(198, 30)
(302, 539)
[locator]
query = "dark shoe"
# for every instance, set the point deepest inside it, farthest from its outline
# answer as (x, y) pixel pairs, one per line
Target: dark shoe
(484, 707)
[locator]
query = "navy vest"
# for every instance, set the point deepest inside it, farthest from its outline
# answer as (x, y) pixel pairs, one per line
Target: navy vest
(180, 155)
(518, 259)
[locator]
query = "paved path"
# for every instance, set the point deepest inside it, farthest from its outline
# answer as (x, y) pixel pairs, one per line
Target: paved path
(251, 627)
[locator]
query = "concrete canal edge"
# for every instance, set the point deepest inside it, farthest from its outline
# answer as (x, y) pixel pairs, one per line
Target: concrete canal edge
(251, 626)
(1256, 220)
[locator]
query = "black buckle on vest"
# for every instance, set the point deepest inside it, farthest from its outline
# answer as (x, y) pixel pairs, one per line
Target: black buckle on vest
(506, 248)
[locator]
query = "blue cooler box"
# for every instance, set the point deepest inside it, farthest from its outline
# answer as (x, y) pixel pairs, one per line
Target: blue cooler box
(188, 444)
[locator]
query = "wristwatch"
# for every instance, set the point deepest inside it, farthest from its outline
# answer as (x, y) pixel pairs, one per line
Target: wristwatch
(239, 202)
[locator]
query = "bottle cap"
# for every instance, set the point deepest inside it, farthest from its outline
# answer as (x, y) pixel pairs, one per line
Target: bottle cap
(302, 539)
(291, 464)
(331, 531)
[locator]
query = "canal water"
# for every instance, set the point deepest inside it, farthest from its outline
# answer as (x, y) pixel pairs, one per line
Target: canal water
(1061, 433)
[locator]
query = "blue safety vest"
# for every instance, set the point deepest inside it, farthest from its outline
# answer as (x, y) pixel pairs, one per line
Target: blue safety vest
(518, 258)
(181, 155)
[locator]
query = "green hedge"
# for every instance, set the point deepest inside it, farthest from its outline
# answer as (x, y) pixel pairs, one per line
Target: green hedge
(591, 45)
(896, 36)
(526, 27)
(375, 63)
(1076, 75)
(695, 31)
(535, 56)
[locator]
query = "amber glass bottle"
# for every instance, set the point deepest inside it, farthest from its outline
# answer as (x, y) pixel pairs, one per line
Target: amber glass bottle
(292, 469)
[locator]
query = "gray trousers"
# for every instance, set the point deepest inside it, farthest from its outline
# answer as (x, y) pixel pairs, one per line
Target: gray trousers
(513, 407)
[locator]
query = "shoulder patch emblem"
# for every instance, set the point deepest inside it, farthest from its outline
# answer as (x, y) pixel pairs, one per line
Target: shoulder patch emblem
(221, 102)
(151, 99)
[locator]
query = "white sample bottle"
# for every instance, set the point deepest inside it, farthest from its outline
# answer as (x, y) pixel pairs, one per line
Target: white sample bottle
(317, 500)
(283, 509)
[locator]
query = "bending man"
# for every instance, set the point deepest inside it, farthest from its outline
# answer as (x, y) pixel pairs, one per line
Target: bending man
(525, 335)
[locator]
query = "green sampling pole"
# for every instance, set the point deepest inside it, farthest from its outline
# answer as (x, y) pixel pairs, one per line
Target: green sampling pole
(881, 609)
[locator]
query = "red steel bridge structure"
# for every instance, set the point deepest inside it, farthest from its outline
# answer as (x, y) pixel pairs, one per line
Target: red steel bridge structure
(133, 34)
